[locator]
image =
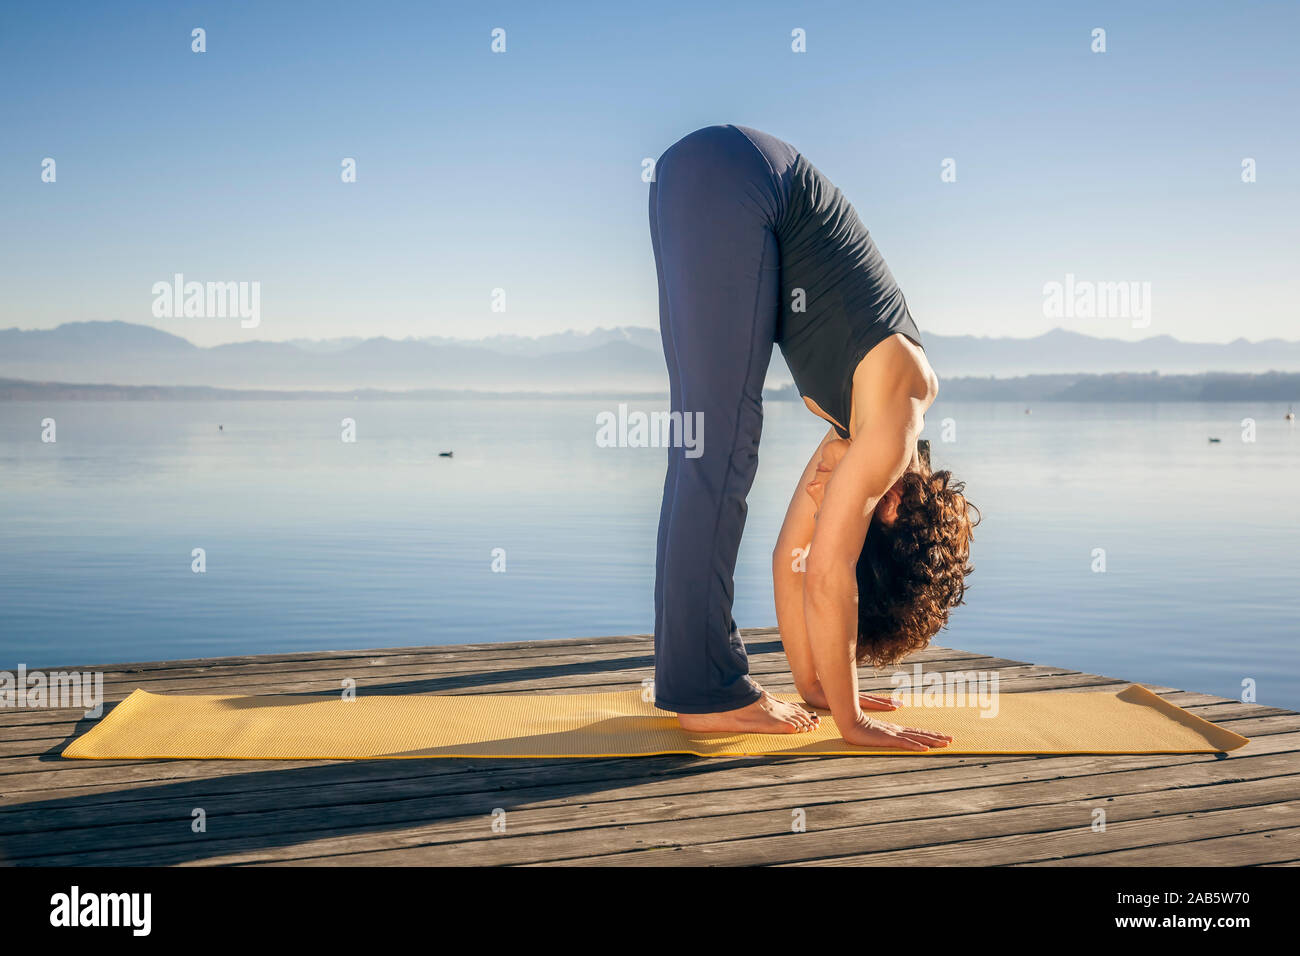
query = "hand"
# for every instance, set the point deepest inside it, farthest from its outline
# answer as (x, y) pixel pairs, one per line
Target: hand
(869, 732)
(815, 696)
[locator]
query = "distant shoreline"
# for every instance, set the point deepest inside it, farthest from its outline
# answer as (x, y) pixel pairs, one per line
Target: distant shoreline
(1128, 387)
(1112, 387)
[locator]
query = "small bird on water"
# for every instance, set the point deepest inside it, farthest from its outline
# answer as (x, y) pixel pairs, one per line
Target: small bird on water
(445, 454)
(1290, 414)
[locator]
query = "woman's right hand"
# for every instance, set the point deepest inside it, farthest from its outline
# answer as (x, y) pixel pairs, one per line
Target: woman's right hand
(869, 732)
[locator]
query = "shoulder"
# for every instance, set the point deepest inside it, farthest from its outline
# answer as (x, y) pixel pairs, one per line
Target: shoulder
(893, 387)
(897, 368)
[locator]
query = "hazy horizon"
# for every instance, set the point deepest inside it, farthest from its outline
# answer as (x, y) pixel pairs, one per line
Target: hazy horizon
(597, 329)
(608, 359)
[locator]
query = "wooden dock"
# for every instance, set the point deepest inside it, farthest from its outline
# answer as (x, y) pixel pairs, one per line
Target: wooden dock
(1237, 809)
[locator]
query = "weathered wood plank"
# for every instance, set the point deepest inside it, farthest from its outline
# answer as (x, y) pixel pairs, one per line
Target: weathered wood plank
(672, 810)
(550, 807)
(1030, 833)
(1245, 849)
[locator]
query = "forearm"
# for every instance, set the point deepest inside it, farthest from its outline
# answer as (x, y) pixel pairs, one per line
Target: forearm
(789, 564)
(879, 454)
(831, 620)
(787, 588)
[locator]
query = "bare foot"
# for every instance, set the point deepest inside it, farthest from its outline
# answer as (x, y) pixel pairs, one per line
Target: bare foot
(767, 715)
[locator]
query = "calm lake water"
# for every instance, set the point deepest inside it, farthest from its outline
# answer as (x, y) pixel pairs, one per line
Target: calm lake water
(312, 543)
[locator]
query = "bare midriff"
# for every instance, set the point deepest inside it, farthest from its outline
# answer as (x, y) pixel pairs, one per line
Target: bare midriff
(816, 410)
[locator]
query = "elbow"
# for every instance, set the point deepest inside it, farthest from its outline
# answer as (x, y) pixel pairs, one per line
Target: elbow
(829, 580)
(788, 557)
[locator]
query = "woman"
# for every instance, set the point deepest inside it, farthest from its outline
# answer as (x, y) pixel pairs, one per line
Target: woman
(754, 246)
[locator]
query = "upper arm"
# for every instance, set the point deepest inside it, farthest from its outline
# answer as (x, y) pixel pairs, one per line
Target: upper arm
(880, 453)
(801, 516)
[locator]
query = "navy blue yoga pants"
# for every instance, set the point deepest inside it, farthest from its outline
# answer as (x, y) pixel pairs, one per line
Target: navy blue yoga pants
(715, 199)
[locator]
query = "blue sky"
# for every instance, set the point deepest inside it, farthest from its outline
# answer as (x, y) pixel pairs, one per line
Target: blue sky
(522, 170)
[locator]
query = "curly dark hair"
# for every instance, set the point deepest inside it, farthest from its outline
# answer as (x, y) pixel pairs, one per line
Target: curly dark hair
(912, 572)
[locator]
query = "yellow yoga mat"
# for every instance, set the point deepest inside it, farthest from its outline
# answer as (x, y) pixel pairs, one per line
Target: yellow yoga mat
(146, 726)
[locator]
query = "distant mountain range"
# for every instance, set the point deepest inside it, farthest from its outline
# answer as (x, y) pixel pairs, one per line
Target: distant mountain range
(623, 359)
(1112, 387)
